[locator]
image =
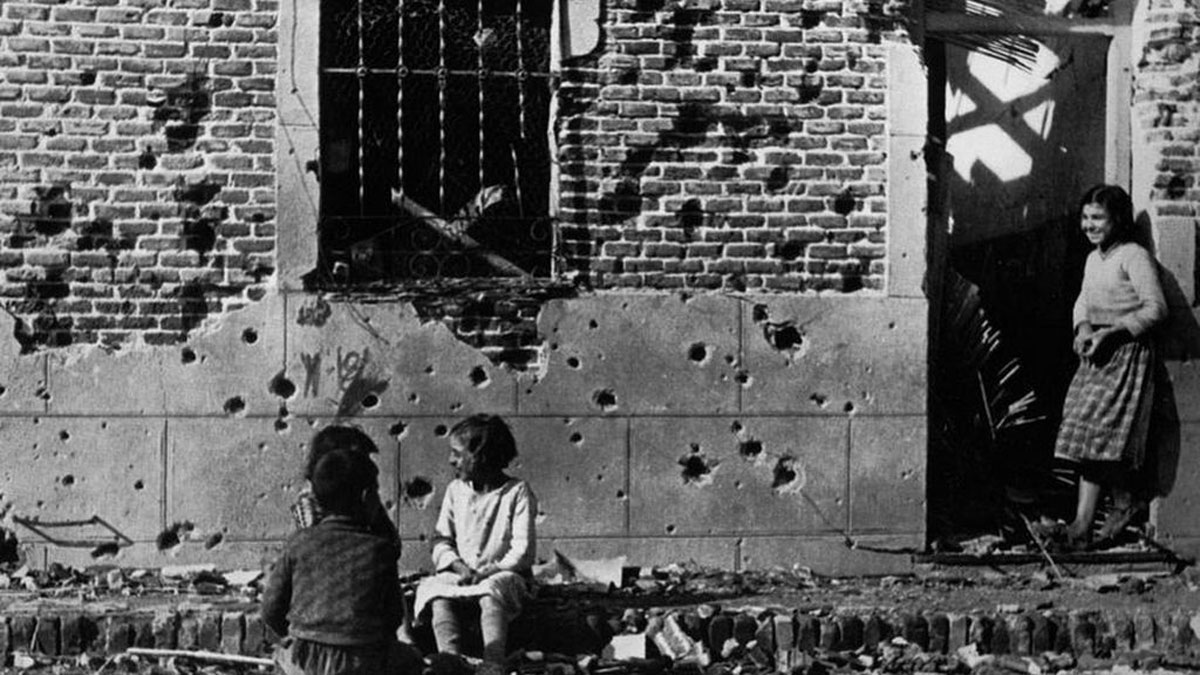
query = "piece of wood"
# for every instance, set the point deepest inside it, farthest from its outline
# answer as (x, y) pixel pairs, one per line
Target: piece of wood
(200, 655)
(455, 233)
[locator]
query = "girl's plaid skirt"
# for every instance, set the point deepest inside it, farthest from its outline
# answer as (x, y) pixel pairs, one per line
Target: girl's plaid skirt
(1106, 414)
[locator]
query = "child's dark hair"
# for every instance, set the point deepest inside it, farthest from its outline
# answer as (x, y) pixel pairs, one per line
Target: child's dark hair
(337, 438)
(1118, 205)
(488, 437)
(339, 479)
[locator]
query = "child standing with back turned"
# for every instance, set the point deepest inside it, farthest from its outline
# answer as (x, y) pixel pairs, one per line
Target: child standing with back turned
(485, 542)
(334, 593)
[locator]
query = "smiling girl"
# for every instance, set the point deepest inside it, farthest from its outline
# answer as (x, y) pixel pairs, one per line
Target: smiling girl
(1107, 409)
(485, 541)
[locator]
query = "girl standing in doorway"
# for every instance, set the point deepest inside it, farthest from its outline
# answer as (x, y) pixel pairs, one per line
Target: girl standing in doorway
(1106, 414)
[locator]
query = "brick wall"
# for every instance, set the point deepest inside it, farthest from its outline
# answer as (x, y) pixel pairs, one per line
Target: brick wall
(734, 144)
(137, 186)
(1166, 130)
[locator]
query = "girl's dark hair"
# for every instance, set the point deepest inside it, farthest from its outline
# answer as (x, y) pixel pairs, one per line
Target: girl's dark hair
(339, 479)
(337, 438)
(1119, 206)
(488, 437)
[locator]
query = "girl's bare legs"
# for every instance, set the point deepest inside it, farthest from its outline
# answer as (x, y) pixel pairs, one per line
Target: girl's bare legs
(447, 631)
(1085, 509)
(494, 628)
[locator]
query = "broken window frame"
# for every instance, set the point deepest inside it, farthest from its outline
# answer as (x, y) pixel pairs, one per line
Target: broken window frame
(454, 235)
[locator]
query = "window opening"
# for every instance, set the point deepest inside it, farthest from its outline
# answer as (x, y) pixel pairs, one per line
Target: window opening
(435, 159)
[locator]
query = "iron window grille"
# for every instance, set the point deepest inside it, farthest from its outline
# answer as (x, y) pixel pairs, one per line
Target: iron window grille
(435, 160)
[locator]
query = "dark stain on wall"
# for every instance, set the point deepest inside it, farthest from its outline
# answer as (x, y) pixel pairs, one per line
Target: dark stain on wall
(180, 111)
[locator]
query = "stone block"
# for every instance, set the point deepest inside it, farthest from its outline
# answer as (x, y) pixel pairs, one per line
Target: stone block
(231, 632)
(225, 369)
(46, 634)
(210, 631)
(374, 360)
(1120, 627)
(254, 642)
(744, 628)
(118, 634)
(73, 633)
(1001, 642)
(1042, 635)
(745, 476)
(5, 638)
(637, 354)
(907, 216)
(831, 634)
(166, 630)
(1179, 511)
(887, 474)
(189, 631)
(143, 631)
(851, 629)
(939, 633)
(959, 633)
(720, 631)
(826, 356)
(916, 630)
(68, 469)
(23, 385)
(876, 629)
(296, 244)
(1083, 634)
(980, 633)
(1020, 635)
(808, 633)
(577, 467)
(1145, 631)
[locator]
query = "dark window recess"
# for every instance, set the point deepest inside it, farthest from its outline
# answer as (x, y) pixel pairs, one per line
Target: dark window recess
(435, 162)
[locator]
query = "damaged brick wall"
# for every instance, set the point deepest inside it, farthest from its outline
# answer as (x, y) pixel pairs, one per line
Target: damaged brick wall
(734, 144)
(1167, 125)
(137, 183)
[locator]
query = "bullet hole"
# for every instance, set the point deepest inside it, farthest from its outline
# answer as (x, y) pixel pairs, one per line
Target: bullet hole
(577, 438)
(844, 203)
(64, 435)
(428, 370)
(370, 401)
(785, 472)
(553, 346)
(592, 325)
(698, 352)
(605, 399)
(759, 313)
(147, 160)
(68, 480)
(848, 408)
(573, 362)
(214, 540)
(819, 399)
(736, 427)
(281, 426)
(730, 359)
(479, 377)
(737, 485)
(235, 405)
(106, 550)
(620, 494)
(139, 485)
(413, 398)
(398, 429)
(3, 390)
(790, 250)
(174, 535)
(187, 355)
(670, 529)
(360, 392)
(750, 449)
(440, 430)
(891, 325)
(696, 468)
(783, 335)
(742, 378)
(216, 20)
(282, 387)
(418, 491)
(249, 336)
